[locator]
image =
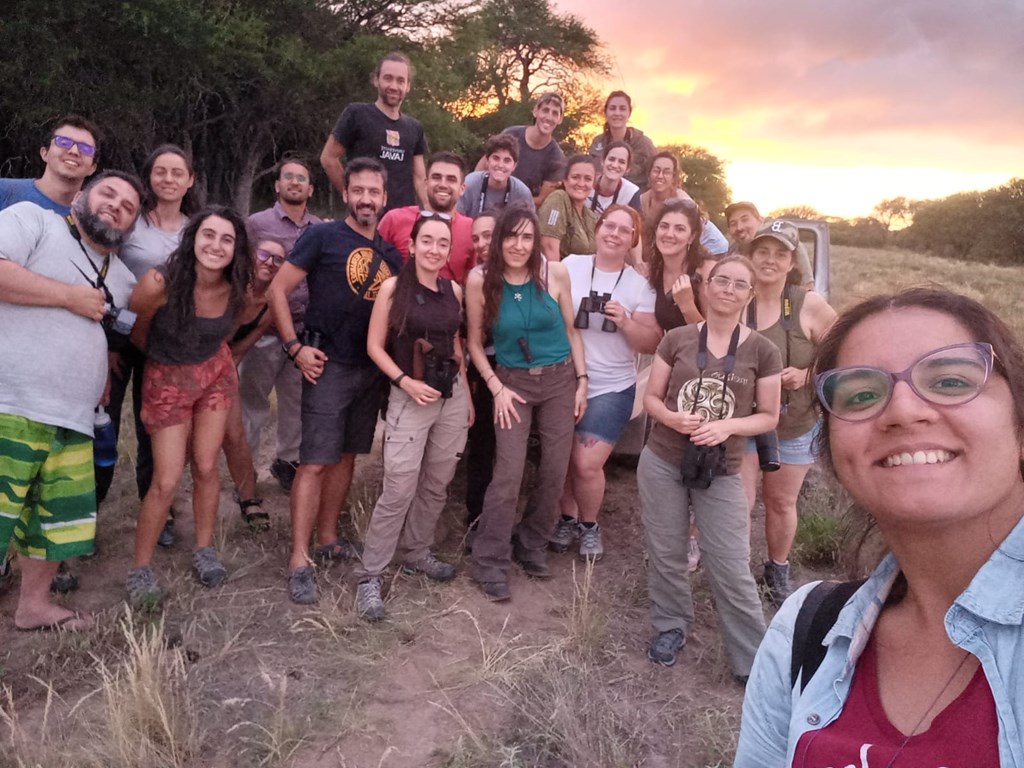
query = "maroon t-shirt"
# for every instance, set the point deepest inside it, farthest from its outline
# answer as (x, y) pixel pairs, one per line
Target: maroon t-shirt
(964, 735)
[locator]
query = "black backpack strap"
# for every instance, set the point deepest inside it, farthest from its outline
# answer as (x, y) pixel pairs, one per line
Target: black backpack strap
(816, 617)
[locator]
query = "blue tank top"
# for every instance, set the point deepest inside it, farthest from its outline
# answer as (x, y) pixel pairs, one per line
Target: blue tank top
(534, 318)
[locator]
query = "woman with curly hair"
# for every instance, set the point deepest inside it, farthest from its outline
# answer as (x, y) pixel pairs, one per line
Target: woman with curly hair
(186, 312)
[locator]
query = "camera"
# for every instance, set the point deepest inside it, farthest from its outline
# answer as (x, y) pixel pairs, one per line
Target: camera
(433, 369)
(595, 302)
(310, 337)
(118, 320)
(701, 463)
(768, 451)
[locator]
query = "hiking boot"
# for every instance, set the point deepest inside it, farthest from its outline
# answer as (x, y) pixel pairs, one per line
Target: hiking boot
(208, 568)
(143, 592)
(431, 567)
(369, 604)
(591, 547)
(776, 579)
(167, 539)
(693, 555)
(284, 472)
(666, 646)
(496, 591)
(565, 534)
(301, 587)
(64, 581)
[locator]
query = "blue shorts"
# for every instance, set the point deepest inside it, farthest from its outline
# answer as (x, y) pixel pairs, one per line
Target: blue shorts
(795, 450)
(607, 415)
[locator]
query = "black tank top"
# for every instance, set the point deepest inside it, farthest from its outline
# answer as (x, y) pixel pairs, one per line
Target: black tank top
(166, 345)
(432, 315)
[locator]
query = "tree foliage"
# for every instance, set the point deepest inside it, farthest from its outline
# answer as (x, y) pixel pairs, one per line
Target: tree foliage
(894, 212)
(703, 177)
(796, 212)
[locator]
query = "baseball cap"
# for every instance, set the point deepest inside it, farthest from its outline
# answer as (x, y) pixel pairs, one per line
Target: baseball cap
(779, 230)
(743, 205)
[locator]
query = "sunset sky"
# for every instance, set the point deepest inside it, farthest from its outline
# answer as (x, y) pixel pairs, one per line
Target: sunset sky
(832, 103)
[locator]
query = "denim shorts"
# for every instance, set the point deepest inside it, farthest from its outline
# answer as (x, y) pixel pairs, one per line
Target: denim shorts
(607, 415)
(795, 450)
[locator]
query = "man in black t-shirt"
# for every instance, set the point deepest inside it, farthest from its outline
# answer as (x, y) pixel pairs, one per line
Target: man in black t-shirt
(381, 131)
(344, 264)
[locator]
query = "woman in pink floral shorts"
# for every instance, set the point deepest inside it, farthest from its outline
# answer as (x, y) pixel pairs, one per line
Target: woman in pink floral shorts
(186, 313)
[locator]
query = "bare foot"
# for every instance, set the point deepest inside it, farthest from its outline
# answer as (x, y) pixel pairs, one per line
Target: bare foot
(54, 617)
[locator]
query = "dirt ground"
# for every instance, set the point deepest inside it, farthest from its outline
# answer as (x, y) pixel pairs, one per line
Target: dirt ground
(556, 677)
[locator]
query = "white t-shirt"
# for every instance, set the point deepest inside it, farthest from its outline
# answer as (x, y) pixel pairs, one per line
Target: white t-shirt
(148, 247)
(610, 360)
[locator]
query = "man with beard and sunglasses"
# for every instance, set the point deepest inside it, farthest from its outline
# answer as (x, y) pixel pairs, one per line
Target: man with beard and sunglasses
(62, 294)
(344, 262)
(446, 172)
(70, 154)
(265, 366)
(381, 131)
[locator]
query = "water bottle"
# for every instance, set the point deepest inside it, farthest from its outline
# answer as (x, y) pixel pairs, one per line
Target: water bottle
(104, 446)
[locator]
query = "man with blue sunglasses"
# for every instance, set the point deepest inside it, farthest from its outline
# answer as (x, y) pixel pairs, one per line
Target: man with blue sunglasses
(70, 153)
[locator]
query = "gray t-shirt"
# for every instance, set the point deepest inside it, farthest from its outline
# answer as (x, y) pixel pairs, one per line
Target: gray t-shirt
(149, 246)
(515, 192)
(536, 166)
(55, 362)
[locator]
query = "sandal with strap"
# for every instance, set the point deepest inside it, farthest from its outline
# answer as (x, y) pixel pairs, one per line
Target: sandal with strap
(257, 521)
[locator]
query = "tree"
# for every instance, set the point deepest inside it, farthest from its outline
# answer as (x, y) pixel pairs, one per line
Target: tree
(702, 175)
(894, 212)
(796, 212)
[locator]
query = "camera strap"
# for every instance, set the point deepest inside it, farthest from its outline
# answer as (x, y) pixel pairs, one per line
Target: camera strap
(727, 366)
(483, 192)
(593, 270)
(378, 257)
(788, 321)
(101, 274)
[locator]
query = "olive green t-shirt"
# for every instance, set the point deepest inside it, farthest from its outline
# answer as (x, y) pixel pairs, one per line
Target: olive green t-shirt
(574, 229)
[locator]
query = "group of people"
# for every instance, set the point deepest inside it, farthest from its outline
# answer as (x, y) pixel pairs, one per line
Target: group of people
(496, 306)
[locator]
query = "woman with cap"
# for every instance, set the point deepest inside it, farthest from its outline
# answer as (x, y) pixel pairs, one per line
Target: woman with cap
(795, 320)
(618, 108)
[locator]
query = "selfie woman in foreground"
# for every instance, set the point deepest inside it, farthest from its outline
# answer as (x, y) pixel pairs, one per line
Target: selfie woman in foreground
(703, 383)
(923, 665)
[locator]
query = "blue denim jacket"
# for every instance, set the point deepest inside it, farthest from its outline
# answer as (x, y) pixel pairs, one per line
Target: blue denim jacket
(987, 620)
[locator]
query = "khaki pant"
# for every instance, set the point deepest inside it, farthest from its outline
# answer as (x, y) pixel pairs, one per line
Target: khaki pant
(422, 446)
(721, 515)
(550, 399)
(266, 367)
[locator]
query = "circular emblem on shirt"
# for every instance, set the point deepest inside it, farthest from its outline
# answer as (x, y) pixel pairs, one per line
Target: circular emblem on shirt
(709, 399)
(358, 272)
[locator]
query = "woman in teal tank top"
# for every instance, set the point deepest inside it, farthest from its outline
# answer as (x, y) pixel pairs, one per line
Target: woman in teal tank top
(526, 304)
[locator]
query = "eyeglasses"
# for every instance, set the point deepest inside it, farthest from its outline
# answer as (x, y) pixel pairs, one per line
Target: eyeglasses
(425, 214)
(662, 171)
(88, 150)
(299, 177)
(722, 282)
(622, 229)
(951, 375)
(262, 255)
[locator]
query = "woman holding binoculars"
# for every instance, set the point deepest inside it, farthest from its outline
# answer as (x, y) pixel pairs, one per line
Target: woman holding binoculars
(795, 320)
(615, 318)
(526, 304)
(704, 381)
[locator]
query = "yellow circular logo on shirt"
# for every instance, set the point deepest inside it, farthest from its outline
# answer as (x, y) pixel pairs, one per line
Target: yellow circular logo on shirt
(358, 272)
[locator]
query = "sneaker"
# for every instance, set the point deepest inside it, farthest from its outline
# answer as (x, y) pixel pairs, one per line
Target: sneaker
(369, 604)
(301, 587)
(567, 531)
(776, 578)
(591, 547)
(496, 591)
(693, 556)
(167, 539)
(666, 646)
(207, 567)
(284, 472)
(64, 581)
(143, 591)
(431, 567)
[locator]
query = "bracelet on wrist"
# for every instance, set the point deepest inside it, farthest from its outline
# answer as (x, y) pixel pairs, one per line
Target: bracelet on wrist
(488, 379)
(499, 391)
(286, 345)
(293, 355)
(397, 381)
(582, 376)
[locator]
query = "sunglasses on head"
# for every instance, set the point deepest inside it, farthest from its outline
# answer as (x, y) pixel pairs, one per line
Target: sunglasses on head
(445, 217)
(64, 142)
(681, 201)
(264, 255)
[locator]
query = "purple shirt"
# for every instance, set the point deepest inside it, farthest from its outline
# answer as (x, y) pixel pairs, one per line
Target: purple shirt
(276, 224)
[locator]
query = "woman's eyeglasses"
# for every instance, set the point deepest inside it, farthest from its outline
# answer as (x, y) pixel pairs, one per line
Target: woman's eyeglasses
(722, 282)
(262, 255)
(952, 375)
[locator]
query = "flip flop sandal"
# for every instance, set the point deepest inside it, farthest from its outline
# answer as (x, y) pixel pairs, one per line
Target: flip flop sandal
(258, 522)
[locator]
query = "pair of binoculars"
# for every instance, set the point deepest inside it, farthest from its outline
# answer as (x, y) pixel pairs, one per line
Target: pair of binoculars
(595, 302)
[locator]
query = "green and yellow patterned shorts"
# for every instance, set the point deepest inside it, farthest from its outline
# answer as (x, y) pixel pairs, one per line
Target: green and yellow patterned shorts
(47, 489)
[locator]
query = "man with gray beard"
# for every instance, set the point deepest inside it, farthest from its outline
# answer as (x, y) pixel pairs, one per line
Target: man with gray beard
(61, 289)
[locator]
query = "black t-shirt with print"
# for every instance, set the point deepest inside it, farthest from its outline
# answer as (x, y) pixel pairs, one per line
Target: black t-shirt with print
(337, 262)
